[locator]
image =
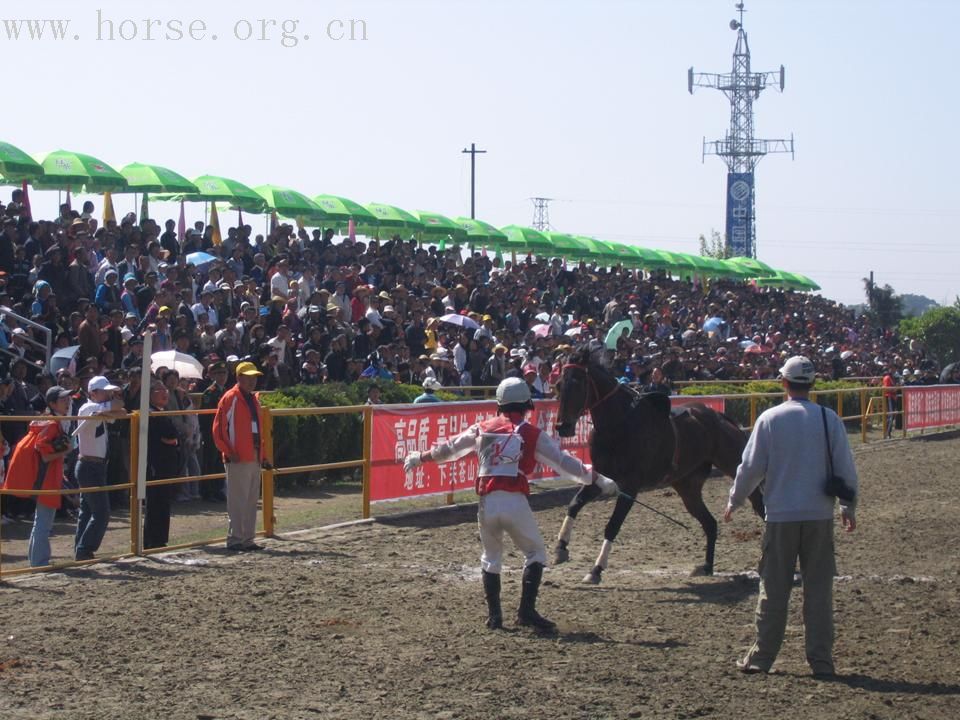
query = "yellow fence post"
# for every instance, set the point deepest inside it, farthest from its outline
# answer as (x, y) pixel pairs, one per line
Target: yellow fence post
(840, 403)
(268, 475)
(753, 410)
(367, 452)
(132, 479)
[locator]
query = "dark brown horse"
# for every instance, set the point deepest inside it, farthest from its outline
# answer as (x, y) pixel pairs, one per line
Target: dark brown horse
(638, 443)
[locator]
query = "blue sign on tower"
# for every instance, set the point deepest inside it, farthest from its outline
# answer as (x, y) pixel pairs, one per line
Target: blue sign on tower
(740, 213)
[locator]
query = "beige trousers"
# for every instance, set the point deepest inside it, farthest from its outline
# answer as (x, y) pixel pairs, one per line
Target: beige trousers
(783, 543)
(243, 491)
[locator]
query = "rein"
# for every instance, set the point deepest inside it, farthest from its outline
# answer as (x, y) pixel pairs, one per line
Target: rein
(593, 385)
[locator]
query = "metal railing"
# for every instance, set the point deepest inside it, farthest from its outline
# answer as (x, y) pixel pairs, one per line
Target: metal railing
(864, 400)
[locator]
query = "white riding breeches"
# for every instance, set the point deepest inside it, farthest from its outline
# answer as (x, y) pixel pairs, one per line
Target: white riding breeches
(509, 512)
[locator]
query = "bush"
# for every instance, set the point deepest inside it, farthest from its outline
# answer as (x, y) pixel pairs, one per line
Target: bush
(318, 439)
(739, 409)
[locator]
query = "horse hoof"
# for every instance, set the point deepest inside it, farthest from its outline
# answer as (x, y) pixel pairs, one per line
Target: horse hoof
(592, 578)
(560, 555)
(702, 571)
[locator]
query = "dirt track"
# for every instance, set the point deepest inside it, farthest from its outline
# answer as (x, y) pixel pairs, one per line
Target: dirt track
(385, 620)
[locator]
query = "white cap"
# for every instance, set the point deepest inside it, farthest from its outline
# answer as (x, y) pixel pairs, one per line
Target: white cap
(100, 383)
(513, 390)
(799, 369)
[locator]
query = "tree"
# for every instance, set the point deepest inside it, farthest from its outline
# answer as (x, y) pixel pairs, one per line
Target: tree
(939, 330)
(715, 247)
(885, 308)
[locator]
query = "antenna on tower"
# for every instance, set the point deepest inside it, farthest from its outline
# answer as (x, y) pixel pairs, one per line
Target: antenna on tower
(541, 213)
(739, 149)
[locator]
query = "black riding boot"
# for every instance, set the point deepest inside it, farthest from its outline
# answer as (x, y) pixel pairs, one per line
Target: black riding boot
(491, 589)
(527, 614)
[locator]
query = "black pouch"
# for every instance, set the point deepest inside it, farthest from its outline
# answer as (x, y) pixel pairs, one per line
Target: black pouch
(835, 486)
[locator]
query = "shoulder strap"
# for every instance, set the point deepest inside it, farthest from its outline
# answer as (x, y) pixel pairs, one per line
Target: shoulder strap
(826, 434)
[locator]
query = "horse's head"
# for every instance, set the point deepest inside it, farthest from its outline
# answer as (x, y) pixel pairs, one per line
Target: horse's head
(574, 390)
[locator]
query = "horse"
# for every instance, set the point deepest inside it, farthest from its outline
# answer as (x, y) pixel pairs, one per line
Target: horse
(640, 444)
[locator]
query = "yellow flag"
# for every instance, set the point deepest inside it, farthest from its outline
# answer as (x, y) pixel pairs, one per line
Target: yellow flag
(108, 214)
(215, 224)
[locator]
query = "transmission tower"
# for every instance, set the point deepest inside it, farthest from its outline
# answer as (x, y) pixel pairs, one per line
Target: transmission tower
(541, 214)
(739, 149)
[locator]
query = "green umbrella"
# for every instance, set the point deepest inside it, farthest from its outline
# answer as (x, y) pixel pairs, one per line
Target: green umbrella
(341, 210)
(788, 280)
(568, 245)
(16, 165)
(737, 270)
(391, 219)
(756, 268)
(437, 226)
(808, 283)
(65, 170)
(290, 203)
(598, 249)
(524, 239)
(481, 233)
(213, 188)
(155, 179)
(677, 262)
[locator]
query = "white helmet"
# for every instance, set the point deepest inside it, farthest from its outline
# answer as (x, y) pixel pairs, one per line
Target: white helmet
(513, 391)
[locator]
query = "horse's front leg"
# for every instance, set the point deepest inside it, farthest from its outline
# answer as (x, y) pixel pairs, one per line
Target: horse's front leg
(624, 503)
(584, 495)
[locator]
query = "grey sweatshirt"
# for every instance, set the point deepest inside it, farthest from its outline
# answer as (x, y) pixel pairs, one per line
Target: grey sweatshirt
(788, 449)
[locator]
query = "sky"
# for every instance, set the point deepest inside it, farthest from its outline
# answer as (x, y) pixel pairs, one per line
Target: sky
(582, 102)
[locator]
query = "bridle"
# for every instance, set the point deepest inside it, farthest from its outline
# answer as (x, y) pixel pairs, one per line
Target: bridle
(593, 386)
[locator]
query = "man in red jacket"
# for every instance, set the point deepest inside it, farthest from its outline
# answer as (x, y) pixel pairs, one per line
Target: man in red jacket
(236, 433)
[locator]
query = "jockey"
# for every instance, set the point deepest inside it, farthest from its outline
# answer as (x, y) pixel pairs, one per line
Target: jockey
(508, 449)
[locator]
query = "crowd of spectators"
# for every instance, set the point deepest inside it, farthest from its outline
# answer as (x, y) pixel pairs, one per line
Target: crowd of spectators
(313, 307)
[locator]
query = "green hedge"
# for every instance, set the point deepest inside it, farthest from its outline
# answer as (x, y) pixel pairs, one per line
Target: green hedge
(317, 439)
(739, 409)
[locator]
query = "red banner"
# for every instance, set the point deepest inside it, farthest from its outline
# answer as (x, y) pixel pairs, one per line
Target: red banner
(930, 407)
(401, 429)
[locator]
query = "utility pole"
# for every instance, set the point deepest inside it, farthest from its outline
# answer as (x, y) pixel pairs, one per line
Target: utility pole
(473, 177)
(739, 149)
(541, 213)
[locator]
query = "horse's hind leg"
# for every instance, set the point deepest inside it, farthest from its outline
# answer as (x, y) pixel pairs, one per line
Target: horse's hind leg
(583, 496)
(620, 512)
(690, 489)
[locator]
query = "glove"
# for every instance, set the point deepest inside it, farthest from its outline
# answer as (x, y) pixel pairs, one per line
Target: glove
(412, 461)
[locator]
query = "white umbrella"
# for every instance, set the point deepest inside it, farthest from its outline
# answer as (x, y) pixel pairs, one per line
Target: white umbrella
(200, 259)
(846, 354)
(186, 365)
(541, 330)
(542, 317)
(461, 320)
(574, 331)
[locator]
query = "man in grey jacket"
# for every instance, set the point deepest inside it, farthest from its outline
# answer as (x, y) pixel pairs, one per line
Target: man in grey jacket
(788, 450)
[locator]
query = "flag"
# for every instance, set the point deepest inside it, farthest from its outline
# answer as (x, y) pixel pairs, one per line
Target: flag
(182, 225)
(352, 230)
(144, 209)
(108, 214)
(483, 252)
(215, 225)
(26, 203)
(300, 225)
(442, 247)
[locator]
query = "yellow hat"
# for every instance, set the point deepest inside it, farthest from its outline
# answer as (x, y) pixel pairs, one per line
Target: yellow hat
(248, 369)
(164, 309)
